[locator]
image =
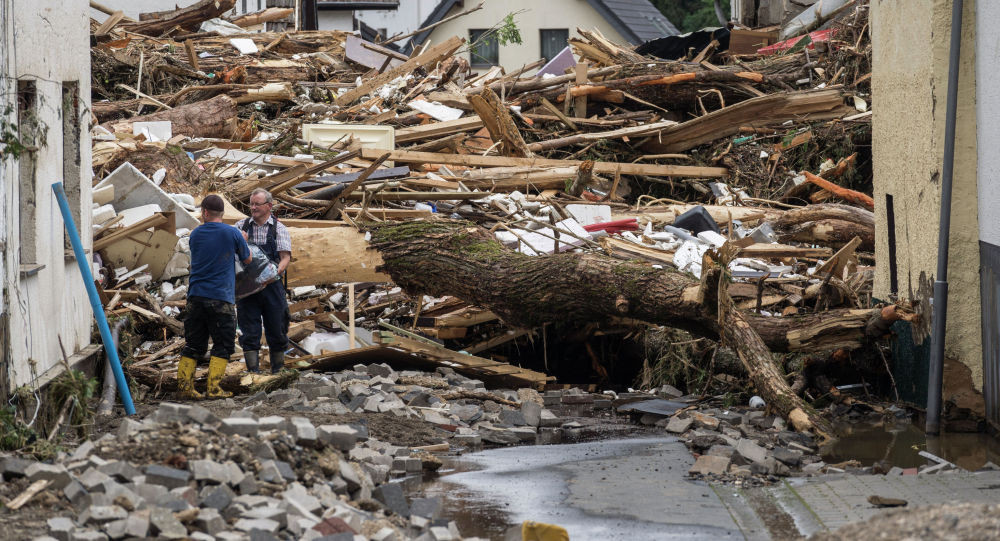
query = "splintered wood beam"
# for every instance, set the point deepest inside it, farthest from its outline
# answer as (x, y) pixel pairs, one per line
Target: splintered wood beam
(433, 55)
(498, 121)
(471, 160)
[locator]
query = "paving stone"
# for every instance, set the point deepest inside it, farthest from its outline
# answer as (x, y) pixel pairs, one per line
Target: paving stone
(263, 524)
(262, 450)
(120, 470)
(549, 419)
(239, 426)
(392, 496)
(710, 465)
(148, 492)
(669, 391)
(334, 526)
(172, 502)
(704, 421)
(303, 431)
(350, 476)
(248, 485)
(297, 497)
(261, 535)
(165, 524)
(276, 471)
(731, 417)
(60, 527)
(13, 467)
(497, 435)
(171, 412)
(724, 451)
(548, 436)
(440, 533)
(210, 470)
(272, 422)
(99, 514)
(271, 513)
(87, 535)
(382, 370)
(128, 428)
(512, 418)
(210, 521)
(82, 451)
(531, 411)
(385, 534)
(217, 497)
(787, 456)
(157, 474)
(578, 399)
(751, 451)
(56, 473)
(342, 437)
(74, 492)
(202, 415)
(93, 480)
(679, 425)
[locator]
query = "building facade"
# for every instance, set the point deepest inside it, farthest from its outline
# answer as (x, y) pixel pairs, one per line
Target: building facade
(46, 115)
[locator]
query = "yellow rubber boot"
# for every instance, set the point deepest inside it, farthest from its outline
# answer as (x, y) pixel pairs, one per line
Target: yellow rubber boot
(537, 531)
(217, 369)
(185, 379)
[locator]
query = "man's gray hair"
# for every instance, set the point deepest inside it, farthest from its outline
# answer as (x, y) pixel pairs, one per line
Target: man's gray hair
(267, 195)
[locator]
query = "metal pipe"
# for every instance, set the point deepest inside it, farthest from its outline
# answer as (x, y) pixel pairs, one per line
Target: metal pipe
(95, 301)
(939, 320)
(107, 403)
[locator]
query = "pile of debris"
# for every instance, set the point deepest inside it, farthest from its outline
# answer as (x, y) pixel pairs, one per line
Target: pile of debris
(609, 191)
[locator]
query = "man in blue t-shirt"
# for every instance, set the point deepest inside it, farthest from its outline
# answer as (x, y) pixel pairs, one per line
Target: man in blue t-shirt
(211, 299)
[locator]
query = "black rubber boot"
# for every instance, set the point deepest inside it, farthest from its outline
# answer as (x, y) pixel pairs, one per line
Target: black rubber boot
(252, 359)
(277, 361)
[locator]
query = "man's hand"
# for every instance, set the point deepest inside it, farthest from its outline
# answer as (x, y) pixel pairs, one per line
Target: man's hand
(246, 237)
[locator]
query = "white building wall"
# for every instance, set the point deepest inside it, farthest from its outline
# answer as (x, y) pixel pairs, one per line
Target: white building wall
(407, 18)
(335, 20)
(550, 14)
(988, 105)
(51, 46)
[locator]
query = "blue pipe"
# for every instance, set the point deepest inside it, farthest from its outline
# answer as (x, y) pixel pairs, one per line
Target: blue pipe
(110, 348)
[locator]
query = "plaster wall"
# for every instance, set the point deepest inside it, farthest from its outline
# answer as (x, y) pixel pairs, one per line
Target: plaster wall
(550, 14)
(910, 40)
(988, 103)
(403, 20)
(336, 20)
(52, 303)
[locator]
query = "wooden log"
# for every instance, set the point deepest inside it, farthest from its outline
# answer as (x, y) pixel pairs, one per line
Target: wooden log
(645, 129)
(774, 108)
(330, 255)
(611, 168)
(498, 121)
(214, 118)
(825, 211)
(188, 16)
(834, 233)
(261, 17)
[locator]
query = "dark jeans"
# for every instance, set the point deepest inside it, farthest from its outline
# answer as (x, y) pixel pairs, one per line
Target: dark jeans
(267, 305)
(209, 317)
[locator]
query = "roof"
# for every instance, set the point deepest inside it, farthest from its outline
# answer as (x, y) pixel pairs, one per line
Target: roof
(636, 20)
(328, 5)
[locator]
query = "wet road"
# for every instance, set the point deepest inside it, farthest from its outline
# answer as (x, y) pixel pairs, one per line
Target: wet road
(618, 489)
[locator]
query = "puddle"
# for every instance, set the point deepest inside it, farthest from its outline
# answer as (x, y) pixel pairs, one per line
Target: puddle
(488, 492)
(899, 445)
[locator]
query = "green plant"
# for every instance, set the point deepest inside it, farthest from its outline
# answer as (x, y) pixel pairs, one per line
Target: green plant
(14, 434)
(72, 391)
(10, 140)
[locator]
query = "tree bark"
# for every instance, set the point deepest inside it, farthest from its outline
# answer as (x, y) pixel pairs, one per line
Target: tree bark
(211, 118)
(190, 16)
(834, 233)
(457, 258)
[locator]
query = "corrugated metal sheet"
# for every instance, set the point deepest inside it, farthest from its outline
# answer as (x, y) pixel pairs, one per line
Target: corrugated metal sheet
(989, 274)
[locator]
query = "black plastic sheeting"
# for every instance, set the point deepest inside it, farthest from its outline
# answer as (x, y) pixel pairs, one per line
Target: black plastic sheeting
(677, 47)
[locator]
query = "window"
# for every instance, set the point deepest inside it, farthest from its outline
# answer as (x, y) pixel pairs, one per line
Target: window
(27, 97)
(553, 41)
(71, 150)
(483, 52)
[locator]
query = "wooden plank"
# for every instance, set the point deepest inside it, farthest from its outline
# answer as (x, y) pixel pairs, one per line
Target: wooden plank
(156, 220)
(109, 23)
(438, 129)
(465, 316)
(782, 250)
(431, 56)
(496, 341)
(472, 160)
(836, 263)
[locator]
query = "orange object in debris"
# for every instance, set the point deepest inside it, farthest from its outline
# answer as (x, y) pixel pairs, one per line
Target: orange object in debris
(537, 531)
(841, 192)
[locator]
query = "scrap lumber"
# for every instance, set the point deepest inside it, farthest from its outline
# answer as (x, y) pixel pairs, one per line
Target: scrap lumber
(329, 255)
(188, 16)
(261, 17)
(843, 193)
(211, 118)
(829, 232)
(432, 56)
(438, 129)
(763, 111)
(644, 129)
(469, 160)
(498, 121)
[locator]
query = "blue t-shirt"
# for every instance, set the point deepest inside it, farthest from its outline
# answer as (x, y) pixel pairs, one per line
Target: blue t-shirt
(213, 273)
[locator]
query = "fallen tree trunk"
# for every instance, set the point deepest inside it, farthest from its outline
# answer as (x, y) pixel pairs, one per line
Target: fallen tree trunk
(834, 233)
(158, 23)
(460, 259)
(211, 118)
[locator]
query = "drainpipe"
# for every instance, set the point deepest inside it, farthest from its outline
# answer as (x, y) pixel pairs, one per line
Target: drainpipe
(107, 404)
(935, 376)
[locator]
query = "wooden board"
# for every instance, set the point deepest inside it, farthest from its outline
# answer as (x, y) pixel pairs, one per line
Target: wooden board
(438, 129)
(471, 160)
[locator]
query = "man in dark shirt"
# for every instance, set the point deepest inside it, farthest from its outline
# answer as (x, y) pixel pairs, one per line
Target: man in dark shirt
(211, 299)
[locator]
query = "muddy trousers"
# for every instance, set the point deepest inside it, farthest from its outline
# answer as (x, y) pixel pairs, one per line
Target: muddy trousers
(267, 306)
(209, 318)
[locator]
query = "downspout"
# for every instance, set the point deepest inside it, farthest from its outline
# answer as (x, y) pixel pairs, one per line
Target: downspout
(935, 375)
(107, 405)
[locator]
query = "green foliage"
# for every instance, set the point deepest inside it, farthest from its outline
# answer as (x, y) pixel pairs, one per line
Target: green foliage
(508, 32)
(10, 140)
(14, 434)
(691, 15)
(74, 386)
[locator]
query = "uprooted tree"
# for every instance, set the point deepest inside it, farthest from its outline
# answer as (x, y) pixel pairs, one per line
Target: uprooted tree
(461, 259)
